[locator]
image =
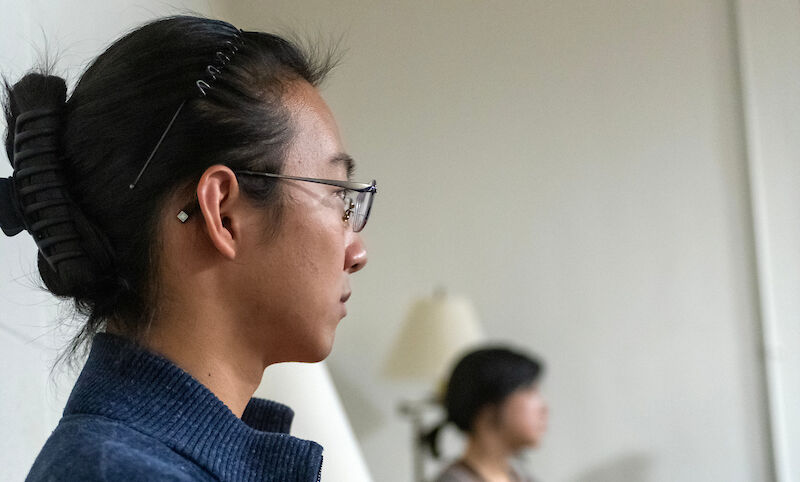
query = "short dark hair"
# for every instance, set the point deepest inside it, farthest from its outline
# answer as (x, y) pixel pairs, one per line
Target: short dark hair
(481, 378)
(486, 377)
(100, 137)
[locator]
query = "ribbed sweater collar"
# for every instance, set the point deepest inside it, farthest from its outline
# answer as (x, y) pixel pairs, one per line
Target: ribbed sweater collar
(147, 392)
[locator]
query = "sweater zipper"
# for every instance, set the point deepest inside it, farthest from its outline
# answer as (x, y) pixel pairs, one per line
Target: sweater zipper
(319, 474)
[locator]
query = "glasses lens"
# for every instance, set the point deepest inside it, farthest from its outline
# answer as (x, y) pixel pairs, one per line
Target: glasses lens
(363, 204)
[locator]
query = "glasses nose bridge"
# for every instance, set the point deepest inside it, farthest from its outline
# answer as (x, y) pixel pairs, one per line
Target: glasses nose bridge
(348, 212)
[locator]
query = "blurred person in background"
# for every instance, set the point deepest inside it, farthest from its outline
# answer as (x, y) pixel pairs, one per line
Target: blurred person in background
(493, 397)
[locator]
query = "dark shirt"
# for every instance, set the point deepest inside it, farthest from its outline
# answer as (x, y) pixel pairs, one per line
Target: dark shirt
(136, 416)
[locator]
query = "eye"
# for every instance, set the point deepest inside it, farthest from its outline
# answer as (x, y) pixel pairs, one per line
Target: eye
(342, 194)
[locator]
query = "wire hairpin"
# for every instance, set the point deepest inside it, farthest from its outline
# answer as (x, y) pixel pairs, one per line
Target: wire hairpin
(203, 85)
(224, 59)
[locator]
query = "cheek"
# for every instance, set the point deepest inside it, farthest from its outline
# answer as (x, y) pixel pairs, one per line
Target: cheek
(313, 266)
(526, 417)
(539, 413)
(292, 273)
(320, 258)
(287, 286)
(314, 243)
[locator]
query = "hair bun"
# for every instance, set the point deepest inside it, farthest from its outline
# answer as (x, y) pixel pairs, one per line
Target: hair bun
(72, 254)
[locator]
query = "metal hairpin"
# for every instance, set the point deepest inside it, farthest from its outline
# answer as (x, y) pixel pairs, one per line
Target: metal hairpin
(202, 85)
(158, 144)
(213, 71)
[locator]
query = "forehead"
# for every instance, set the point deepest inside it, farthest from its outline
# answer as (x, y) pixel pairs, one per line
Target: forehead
(316, 147)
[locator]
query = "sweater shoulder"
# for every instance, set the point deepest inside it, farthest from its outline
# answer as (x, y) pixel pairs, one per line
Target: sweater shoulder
(95, 448)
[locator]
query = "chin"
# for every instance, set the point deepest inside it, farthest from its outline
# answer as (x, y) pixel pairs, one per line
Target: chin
(527, 442)
(535, 442)
(317, 352)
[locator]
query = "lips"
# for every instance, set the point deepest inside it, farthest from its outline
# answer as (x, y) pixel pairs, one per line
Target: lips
(345, 297)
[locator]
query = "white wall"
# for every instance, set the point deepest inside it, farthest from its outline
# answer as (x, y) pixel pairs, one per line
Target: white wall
(579, 170)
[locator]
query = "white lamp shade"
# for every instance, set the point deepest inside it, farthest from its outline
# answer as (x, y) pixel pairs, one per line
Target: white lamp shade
(436, 330)
(319, 416)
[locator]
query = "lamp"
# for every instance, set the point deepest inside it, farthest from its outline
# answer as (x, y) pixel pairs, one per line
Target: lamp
(437, 329)
(319, 416)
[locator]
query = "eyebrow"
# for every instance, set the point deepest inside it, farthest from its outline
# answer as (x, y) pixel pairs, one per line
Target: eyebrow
(346, 161)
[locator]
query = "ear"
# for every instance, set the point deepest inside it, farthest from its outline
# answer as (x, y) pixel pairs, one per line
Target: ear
(218, 195)
(488, 417)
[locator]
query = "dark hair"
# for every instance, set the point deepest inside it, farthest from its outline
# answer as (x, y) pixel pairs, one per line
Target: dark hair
(75, 157)
(481, 378)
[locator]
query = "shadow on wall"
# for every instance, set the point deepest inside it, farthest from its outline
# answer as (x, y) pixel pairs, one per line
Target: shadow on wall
(630, 468)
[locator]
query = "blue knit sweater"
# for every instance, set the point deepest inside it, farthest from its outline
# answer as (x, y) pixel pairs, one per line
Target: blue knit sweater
(135, 416)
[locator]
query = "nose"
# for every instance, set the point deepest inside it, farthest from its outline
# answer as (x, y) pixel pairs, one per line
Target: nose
(355, 255)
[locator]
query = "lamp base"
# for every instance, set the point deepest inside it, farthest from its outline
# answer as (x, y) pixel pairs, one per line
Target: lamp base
(416, 410)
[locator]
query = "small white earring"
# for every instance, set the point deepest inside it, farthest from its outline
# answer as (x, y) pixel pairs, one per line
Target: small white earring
(182, 216)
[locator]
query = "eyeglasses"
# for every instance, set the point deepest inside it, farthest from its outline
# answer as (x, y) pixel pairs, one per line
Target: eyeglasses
(357, 196)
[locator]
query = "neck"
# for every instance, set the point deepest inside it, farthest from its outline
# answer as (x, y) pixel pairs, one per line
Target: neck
(201, 343)
(490, 456)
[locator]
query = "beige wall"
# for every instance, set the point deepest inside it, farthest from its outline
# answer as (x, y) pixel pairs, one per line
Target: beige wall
(578, 170)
